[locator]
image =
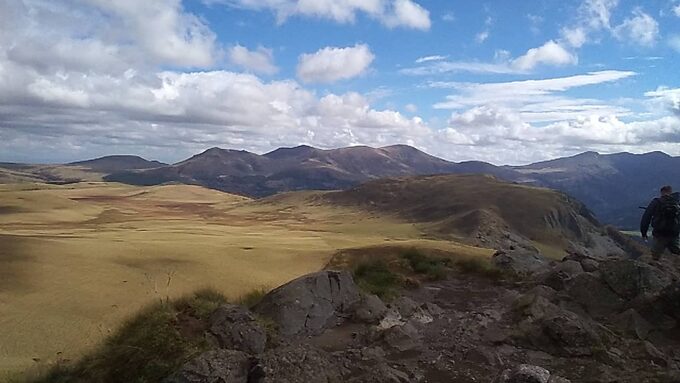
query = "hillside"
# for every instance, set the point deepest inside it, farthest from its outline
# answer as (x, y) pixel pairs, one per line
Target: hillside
(484, 211)
(613, 186)
(117, 163)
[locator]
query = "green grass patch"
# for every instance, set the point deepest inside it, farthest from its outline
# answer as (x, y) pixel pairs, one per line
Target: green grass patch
(435, 268)
(375, 277)
(148, 347)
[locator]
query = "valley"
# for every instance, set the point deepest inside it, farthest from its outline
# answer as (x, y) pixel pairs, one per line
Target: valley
(77, 260)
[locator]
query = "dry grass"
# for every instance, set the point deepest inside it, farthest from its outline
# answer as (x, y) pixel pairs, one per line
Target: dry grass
(77, 260)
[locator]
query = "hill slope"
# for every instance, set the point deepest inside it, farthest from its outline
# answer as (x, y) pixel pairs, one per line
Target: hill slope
(485, 211)
(117, 163)
(613, 186)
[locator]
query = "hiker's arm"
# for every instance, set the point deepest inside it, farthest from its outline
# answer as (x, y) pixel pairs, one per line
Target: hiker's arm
(647, 218)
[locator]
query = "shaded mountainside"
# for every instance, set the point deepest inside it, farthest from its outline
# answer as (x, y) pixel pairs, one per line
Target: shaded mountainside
(613, 186)
(486, 212)
(299, 168)
(117, 163)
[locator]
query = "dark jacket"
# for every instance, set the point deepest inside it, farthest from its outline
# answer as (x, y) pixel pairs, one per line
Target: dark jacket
(649, 216)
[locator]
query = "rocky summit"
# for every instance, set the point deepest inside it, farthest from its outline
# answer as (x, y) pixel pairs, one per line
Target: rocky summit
(581, 319)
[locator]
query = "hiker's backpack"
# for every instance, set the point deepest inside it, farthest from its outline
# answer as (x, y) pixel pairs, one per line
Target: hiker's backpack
(667, 216)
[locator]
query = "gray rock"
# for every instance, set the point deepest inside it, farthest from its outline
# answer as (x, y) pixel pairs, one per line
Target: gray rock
(629, 278)
(524, 373)
(405, 306)
(590, 265)
(294, 364)
(235, 327)
(558, 379)
(520, 263)
(559, 276)
(633, 323)
(311, 303)
(668, 300)
(594, 295)
(216, 366)
(555, 330)
(403, 338)
(432, 309)
(370, 309)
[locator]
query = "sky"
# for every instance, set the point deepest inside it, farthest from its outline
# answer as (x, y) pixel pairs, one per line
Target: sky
(508, 82)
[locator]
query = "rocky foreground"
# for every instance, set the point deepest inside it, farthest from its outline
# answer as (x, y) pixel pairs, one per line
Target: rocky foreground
(578, 320)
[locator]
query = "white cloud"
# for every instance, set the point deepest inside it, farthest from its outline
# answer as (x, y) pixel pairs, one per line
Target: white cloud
(676, 10)
(550, 53)
(163, 29)
(258, 61)
(674, 42)
(406, 13)
(575, 37)
(411, 108)
(332, 64)
(641, 29)
(596, 14)
(482, 36)
(535, 100)
(392, 13)
(425, 59)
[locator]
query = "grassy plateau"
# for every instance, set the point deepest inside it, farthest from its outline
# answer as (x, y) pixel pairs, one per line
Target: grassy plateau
(78, 260)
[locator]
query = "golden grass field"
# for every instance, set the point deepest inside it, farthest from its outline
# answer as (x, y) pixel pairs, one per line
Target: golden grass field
(76, 260)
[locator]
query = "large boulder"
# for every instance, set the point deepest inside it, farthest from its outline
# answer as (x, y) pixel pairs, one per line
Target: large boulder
(552, 329)
(559, 276)
(311, 303)
(235, 327)
(629, 278)
(369, 309)
(294, 364)
(520, 263)
(594, 295)
(216, 366)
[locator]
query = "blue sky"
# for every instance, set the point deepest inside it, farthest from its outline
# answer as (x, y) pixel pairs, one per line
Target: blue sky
(500, 81)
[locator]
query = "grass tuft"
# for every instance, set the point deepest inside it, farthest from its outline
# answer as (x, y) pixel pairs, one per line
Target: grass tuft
(376, 278)
(253, 297)
(433, 267)
(480, 267)
(148, 347)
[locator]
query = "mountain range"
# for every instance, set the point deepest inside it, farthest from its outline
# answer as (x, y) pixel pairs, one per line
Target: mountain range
(613, 186)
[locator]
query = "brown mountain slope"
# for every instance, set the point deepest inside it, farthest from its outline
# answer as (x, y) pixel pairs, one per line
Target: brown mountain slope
(299, 168)
(484, 211)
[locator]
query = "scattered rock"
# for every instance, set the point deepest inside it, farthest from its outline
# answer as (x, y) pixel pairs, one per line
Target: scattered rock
(311, 303)
(297, 363)
(403, 338)
(631, 322)
(590, 265)
(629, 278)
(520, 263)
(524, 373)
(594, 295)
(216, 366)
(235, 327)
(370, 309)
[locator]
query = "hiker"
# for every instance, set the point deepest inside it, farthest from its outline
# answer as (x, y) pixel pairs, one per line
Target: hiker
(664, 215)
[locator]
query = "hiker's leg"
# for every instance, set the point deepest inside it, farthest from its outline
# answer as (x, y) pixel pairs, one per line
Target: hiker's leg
(674, 245)
(659, 246)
